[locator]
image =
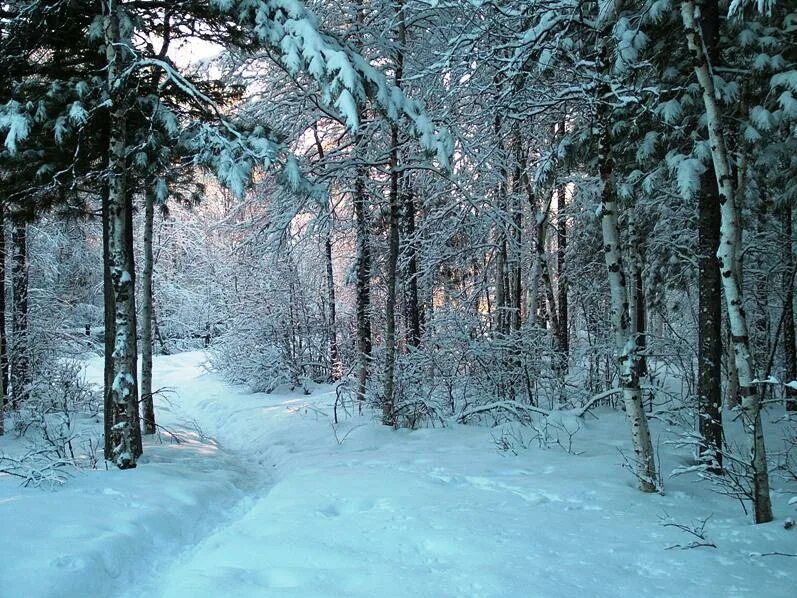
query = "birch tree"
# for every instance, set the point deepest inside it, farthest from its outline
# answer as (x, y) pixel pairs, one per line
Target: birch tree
(726, 253)
(20, 350)
(125, 433)
(625, 341)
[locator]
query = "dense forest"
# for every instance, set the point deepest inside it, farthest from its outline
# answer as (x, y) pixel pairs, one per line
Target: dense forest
(466, 212)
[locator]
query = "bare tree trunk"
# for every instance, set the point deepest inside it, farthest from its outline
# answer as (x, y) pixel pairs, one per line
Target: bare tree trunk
(389, 400)
(516, 260)
(728, 249)
(334, 353)
(109, 325)
(533, 283)
(542, 271)
(641, 315)
(709, 326)
(363, 269)
(2, 408)
(562, 328)
(147, 312)
(125, 434)
(133, 338)
(3, 338)
(734, 398)
(20, 352)
(645, 468)
(789, 350)
(501, 290)
(415, 314)
(3, 346)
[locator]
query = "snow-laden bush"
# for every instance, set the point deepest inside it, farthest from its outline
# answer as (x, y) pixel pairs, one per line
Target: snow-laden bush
(252, 360)
(464, 373)
(59, 422)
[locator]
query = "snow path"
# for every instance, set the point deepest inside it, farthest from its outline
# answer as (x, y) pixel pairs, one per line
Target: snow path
(442, 513)
(266, 499)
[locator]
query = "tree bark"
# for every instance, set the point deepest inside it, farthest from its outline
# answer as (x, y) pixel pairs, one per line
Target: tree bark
(541, 271)
(709, 321)
(789, 348)
(125, 434)
(109, 325)
(334, 355)
(3, 345)
(709, 328)
(20, 352)
(726, 253)
(415, 315)
(335, 369)
(147, 313)
(2, 407)
(363, 285)
(3, 338)
(516, 254)
(389, 400)
(562, 327)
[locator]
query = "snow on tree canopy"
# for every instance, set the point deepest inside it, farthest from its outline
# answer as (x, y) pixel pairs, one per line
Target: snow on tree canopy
(688, 170)
(15, 124)
(786, 79)
(346, 78)
(233, 156)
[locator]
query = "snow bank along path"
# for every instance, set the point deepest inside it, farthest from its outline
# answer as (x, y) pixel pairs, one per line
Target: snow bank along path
(270, 500)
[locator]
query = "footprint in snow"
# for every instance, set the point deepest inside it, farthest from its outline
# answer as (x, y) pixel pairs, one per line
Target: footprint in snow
(70, 563)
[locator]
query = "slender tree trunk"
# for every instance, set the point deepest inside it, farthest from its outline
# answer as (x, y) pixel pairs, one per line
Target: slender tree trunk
(3, 337)
(789, 349)
(734, 399)
(751, 406)
(533, 287)
(516, 271)
(543, 272)
(760, 339)
(132, 340)
(501, 290)
(109, 325)
(20, 352)
(644, 464)
(363, 290)
(3, 346)
(640, 330)
(636, 294)
(125, 434)
(415, 315)
(709, 327)
(562, 284)
(389, 401)
(2, 408)
(147, 312)
(334, 353)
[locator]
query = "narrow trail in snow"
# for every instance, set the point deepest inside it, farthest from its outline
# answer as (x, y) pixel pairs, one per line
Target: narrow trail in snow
(182, 381)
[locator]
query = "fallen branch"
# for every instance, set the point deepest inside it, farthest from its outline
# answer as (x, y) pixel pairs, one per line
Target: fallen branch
(581, 411)
(519, 410)
(697, 530)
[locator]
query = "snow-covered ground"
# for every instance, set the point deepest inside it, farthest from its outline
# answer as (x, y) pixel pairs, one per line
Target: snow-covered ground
(268, 498)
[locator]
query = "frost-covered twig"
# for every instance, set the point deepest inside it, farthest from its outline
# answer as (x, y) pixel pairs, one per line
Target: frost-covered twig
(698, 530)
(519, 410)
